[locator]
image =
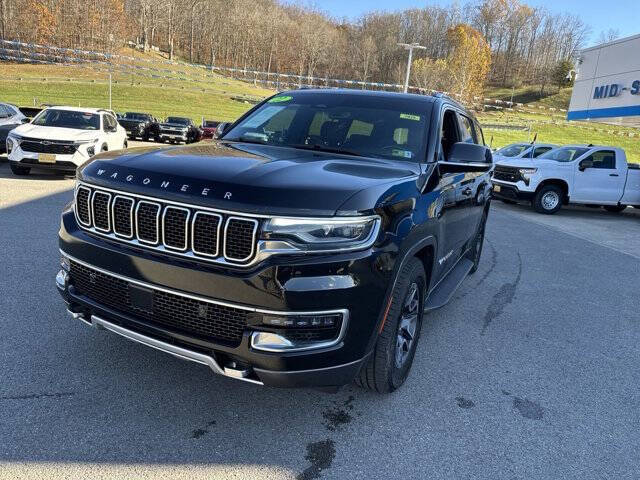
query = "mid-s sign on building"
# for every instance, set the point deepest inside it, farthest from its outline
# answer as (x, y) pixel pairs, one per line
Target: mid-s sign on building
(607, 86)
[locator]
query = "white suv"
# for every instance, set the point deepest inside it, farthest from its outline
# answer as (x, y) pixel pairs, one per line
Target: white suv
(63, 138)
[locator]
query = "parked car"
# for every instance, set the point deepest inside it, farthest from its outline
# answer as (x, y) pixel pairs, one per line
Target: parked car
(140, 125)
(11, 115)
(63, 138)
(583, 174)
(209, 128)
(4, 133)
(522, 150)
(179, 129)
(301, 249)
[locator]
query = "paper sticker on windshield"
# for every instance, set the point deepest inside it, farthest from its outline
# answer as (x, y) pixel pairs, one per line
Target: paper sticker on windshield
(408, 116)
(396, 152)
(284, 98)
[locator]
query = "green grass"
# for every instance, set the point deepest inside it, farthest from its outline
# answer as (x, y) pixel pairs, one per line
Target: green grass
(531, 94)
(61, 85)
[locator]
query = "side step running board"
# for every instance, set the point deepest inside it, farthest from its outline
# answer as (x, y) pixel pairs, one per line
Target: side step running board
(443, 292)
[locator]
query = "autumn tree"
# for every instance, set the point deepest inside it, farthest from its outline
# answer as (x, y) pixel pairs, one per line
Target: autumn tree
(468, 61)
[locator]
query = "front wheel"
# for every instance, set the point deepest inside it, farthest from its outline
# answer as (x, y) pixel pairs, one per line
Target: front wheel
(18, 170)
(392, 357)
(614, 208)
(548, 199)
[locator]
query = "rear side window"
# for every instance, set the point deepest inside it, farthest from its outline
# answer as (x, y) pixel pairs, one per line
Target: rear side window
(468, 130)
(605, 159)
(540, 150)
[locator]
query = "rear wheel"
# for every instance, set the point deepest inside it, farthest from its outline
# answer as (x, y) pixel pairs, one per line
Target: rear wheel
(614, 208)
(548, 199)
(18, 170)
(392, 357)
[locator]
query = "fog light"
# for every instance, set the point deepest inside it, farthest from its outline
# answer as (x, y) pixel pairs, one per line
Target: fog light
(302, 321)
(64, 263)
(61, 280)
(9, 146)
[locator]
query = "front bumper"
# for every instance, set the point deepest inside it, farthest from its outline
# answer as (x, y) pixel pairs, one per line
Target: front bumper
(173, 136)
(510, 191)
(348, 282)
(63, 162)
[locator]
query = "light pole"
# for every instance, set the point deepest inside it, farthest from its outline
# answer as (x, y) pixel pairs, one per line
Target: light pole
(410, 47)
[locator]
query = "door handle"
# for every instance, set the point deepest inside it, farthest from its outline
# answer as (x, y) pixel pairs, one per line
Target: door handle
(614, 175)
(467, 191)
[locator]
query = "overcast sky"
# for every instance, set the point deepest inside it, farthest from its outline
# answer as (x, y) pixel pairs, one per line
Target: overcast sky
(600, 15)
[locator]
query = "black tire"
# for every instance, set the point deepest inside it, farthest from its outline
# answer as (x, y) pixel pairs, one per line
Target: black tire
(614, 208)
(475, 252)
(104, 148)
(508, 202)
(391, 360)
(548, 199)
(125, 145)
(17, 170)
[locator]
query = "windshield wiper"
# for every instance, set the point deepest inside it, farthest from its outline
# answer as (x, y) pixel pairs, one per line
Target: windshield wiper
(322, 148)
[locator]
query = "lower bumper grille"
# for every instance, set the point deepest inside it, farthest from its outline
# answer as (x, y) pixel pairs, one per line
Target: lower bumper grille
(185, 315)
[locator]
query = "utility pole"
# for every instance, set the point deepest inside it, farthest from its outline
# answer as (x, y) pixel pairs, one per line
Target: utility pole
(110, 91)
(410, 47)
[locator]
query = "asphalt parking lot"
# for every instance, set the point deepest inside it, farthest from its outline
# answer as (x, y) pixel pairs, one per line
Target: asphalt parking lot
(531, 372)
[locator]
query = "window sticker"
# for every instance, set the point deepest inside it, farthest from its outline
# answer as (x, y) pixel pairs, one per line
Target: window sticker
(408, 116)
(283, 98)
(396, 152)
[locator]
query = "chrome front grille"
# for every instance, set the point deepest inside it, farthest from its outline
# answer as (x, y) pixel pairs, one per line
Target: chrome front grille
(176, 229)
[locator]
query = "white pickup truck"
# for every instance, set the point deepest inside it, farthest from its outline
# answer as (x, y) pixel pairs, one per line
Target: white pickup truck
(582, 174)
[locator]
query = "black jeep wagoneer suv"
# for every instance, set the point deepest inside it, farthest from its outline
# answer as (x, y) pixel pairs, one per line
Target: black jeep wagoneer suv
(301, 249)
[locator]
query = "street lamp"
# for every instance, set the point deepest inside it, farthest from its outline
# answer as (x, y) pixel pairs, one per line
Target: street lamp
(410, 47)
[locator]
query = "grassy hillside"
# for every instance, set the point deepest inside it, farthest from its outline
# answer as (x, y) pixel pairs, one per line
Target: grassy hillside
(63, 85)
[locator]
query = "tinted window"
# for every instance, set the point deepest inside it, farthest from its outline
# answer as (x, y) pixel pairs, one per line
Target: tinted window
(109, 122)
(480, 134)
(68, 119)
(468, 131)
(603, 159)
(513, 150)
(210, 124)
(178, 120)
(384, 126)
(136, 116)
(564, 154)
(540, 150)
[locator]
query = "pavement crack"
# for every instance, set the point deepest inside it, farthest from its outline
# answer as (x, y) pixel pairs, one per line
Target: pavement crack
(320, 455)
(31, 396)
(503, 297)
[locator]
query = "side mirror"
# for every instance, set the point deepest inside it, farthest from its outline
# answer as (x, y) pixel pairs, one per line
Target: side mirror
(467, 157)
(584, 164)
(222, 128)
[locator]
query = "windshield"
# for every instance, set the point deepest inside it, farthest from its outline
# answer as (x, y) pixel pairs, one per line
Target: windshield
(565, 154)
(68, 119)
(513, 150)
(135, 116)
(384, 126)
(178, 120)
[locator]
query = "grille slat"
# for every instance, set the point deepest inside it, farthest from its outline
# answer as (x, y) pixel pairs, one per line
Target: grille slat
(174, 227)
(169, 228)
(205, 232)
(239, 238)
(147, 218)
(82, 205)
(122, 214)
(100, 208)
(182, 314)
(506, 174)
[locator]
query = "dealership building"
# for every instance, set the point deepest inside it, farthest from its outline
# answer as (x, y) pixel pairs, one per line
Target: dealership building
(607, 86)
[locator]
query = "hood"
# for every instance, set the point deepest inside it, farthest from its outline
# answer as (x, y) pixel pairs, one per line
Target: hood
(248, 178)
(54, 133)
(514, 162)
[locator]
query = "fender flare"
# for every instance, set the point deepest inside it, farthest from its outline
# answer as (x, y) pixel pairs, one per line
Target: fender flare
(429, 240)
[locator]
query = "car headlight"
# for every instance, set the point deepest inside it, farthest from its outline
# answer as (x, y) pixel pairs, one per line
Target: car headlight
(527, 173)
(317, 234)
(86, 142)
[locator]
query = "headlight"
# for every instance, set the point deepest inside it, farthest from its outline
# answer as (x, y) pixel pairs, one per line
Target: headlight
(85, 142)
(527, 173)
(324, 234)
